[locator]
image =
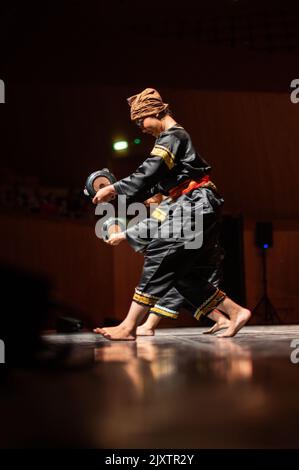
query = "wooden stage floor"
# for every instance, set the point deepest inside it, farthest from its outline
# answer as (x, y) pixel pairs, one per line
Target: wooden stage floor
(178, 389)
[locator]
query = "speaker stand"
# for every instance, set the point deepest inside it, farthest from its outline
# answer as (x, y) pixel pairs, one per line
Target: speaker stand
(264, 306)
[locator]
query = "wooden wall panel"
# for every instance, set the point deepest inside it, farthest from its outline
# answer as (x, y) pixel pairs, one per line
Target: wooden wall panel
(251, 139)
(77, 263)
(98, 280)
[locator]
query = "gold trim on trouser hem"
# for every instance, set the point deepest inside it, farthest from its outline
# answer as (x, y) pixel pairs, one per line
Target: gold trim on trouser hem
(209, 304)
(165, 312)
(144, 299)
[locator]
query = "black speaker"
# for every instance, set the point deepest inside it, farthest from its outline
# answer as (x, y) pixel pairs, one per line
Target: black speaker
(264, 235)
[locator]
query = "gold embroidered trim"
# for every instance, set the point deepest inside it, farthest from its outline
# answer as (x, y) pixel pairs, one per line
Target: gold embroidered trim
(145, 299)
(163, 312)
(137, 291)
(210, 304)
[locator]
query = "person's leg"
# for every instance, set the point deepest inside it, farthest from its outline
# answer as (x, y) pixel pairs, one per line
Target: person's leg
(169, 306)
(221, 322)
(149, 326)
(126, 331)
(210, 268)
(205, 297)
(158, 275)
(162, 260)
(156, 280)
(166, 307)
(238, 315)
(167, 261)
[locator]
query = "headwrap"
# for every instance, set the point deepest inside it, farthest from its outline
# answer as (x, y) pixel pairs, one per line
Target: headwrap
(146, 103)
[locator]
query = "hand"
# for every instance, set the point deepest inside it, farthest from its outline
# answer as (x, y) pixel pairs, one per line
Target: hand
(105, 194)
(116, 238)
(156, 199)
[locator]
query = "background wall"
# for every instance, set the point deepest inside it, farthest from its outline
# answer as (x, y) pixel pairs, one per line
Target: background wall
(249, 138)
(97, 281)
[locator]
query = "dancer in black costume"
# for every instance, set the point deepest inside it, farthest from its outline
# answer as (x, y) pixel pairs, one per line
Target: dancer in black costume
(175, 169)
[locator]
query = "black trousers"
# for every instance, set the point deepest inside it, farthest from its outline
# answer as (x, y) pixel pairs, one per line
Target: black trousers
(185, 263)
(210, 269)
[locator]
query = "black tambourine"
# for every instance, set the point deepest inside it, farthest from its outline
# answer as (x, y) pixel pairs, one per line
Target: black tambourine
(113, 225)
(97, 180)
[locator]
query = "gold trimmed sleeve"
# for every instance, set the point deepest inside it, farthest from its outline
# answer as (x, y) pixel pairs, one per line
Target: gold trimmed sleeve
(165, 154)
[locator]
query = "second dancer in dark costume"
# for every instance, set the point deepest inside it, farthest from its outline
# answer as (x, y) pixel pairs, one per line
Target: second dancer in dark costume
(173, 302)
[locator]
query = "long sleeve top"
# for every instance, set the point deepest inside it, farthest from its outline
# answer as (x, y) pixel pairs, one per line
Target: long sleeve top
(172, 160)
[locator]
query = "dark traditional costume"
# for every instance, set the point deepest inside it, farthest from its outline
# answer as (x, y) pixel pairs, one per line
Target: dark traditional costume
(176, 260)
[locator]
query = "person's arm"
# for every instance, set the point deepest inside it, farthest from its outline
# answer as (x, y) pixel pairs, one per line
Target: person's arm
(148, 174)
(116, 238)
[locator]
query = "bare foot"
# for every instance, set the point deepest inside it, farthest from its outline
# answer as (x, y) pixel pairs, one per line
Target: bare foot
(236, 323)
(109, 329)
(144, 330)
(219, 325)
(117, 333)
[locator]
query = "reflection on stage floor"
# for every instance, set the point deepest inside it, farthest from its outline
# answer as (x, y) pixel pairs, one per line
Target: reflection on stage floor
(178, 389)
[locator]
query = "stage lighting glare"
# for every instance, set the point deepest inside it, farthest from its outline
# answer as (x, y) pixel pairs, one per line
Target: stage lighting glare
(120, 145)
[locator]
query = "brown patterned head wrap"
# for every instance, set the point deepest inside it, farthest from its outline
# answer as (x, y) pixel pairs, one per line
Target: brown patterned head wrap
(146, 103)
